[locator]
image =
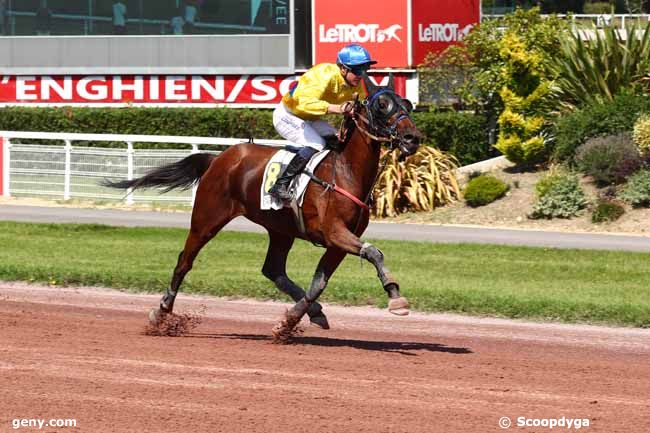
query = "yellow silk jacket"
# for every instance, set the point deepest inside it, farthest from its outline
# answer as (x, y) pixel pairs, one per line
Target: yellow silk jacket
(320, 86)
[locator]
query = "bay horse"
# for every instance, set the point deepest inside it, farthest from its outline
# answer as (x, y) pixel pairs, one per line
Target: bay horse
(229, 186)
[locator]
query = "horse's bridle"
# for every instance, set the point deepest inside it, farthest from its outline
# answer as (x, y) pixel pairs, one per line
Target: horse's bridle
(381, 126)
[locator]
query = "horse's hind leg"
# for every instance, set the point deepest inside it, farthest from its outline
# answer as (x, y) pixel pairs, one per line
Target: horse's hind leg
(207, 221)
(275, 269)
(195, 241)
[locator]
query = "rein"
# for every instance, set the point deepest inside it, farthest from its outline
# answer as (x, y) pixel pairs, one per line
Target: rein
(359, 121)
(357, 116)
(333, 187)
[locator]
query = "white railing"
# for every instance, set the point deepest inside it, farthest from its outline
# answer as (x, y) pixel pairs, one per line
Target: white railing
(69, 168)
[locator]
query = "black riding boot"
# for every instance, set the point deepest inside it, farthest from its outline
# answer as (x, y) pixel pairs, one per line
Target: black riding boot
(281, 188)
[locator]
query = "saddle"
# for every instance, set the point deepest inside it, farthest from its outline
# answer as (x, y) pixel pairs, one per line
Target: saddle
(276, 166)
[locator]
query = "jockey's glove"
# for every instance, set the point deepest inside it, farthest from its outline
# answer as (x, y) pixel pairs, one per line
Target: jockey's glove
(347, 107)
(344, 108)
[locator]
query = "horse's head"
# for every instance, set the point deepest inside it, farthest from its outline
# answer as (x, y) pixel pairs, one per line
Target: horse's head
(388, 118)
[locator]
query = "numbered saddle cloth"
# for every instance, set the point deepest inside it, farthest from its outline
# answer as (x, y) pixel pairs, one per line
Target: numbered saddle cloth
(275, 167)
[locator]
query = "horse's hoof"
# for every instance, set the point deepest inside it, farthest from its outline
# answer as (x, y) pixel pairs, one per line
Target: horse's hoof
(155, 316)
(399, 306)
(320, 320)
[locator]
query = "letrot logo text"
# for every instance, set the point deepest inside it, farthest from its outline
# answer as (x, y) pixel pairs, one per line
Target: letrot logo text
(443, 32)
(358, 33)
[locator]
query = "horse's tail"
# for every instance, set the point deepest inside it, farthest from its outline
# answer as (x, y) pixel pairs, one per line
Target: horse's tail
(182, 174)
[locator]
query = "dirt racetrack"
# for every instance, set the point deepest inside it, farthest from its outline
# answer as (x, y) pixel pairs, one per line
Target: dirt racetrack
(82, 354)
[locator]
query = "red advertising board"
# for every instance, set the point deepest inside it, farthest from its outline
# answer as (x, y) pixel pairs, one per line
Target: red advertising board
(438, 24)
(150, 89)
(380, 26)
(168, 90)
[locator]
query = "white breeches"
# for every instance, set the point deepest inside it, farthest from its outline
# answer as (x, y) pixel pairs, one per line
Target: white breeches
(301, 132)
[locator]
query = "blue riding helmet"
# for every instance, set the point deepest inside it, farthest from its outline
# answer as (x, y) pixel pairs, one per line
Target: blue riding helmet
(354, 55)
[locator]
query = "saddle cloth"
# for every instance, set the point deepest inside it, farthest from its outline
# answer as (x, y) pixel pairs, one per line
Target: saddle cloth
(275, 167)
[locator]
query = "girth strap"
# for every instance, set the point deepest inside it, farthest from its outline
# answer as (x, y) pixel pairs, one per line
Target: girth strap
(335, 187)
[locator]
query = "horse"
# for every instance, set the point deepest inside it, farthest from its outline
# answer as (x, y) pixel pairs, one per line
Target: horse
(335, 207)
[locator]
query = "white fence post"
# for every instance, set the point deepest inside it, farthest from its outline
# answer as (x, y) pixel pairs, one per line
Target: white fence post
(5, 145)
(195, 149)
(67, 173)
(129, 171)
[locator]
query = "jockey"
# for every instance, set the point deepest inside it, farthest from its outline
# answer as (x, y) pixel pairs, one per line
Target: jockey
(326, 88)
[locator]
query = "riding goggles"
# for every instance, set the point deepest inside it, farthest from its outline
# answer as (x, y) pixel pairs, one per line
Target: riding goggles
(359, 70)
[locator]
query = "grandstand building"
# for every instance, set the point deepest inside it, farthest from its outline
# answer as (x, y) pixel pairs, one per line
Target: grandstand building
(207, 52)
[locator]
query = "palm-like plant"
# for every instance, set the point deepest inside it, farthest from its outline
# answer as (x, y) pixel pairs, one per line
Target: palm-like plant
(420, 183)
(595, 69)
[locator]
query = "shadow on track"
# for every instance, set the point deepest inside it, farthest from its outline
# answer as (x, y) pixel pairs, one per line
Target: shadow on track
(403, 348)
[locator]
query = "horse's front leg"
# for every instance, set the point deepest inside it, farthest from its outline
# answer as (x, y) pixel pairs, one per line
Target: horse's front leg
(349, 242)
(342, 241)
(397, 304)
(326, 267)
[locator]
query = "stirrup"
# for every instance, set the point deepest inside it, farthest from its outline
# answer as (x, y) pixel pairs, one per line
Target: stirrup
(284, 195)
(282, 192)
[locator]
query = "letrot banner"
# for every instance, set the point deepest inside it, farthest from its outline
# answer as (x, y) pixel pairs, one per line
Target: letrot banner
(437, 25)
(156, 90)
(381, 27)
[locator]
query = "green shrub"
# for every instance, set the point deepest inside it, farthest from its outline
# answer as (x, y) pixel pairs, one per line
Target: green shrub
(554, 175)
(559, 196)
(606, 211)
(484, 189)
(637, 190)
(641, 134)
(464, 135)
(598, 119)
(597, 68)
(609, 159)
(525, 95)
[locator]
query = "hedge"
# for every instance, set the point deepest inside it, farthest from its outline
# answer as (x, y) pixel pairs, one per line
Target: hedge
(462, 134)
(609, 118)
(201, 122)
